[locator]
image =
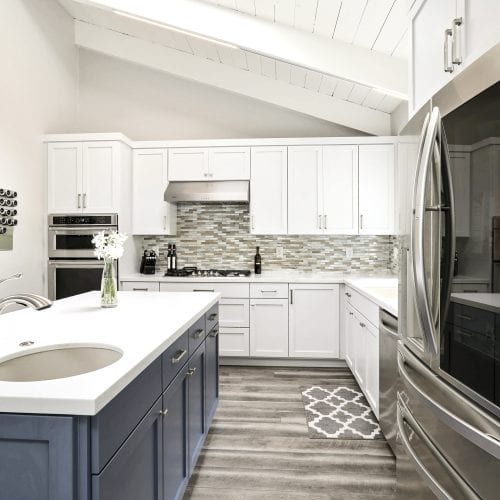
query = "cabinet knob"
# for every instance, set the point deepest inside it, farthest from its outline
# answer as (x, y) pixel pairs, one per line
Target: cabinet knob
(191, 372)
(198, 333)
(362, 325)
(163, 413)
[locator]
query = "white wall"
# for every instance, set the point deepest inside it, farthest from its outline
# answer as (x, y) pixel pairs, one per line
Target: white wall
(38, 89)
(117, 96)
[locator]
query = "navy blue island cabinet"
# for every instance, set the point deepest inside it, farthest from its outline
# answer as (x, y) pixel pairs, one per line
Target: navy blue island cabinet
(142, 445)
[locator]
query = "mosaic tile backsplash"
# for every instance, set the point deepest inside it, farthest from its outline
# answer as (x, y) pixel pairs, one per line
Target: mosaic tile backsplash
(218, 236)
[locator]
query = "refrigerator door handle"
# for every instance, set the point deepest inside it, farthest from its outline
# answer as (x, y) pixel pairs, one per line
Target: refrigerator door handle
(404, 415)
(484, 440)
(425, 315)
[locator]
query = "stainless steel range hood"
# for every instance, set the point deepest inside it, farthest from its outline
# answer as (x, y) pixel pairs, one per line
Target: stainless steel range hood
(208, 192)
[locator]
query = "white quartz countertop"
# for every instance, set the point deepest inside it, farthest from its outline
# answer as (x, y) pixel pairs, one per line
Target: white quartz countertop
(487, 301)
(142, 326)
(380, 288)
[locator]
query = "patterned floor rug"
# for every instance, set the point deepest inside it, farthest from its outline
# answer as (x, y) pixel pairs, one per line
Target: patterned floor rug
(339, 413)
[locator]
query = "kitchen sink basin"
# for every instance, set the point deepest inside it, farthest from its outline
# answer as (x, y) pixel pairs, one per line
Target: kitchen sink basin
(57, 362)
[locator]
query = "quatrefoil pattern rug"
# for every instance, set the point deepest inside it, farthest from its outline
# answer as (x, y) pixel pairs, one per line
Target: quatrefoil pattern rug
(339, 413)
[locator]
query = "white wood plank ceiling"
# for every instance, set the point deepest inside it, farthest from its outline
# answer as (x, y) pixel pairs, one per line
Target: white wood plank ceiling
(376, 26)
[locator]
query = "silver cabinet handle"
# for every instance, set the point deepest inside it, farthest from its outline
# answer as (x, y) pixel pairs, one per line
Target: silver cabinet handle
(191, 372)
(179, 356)
(205, 174)
(487, 441)
(84, 200)
(448, 68)
(319, 222)
(456, 57)
(252, 221)
(325, 221)
(213, 333)
(347, 294)
(291, 296)
(203, 290)
(463, 316)
(212, 317)
(163, 413)
(361, 221)
(140, 289)
(362, 325)
(79, 200)
(351, 313)
(164, 222)
(198, 333)
(269, 291)
(404, 415)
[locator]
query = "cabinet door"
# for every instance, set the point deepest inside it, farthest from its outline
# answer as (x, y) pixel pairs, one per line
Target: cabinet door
(101, 177)
(350, 338)
(340, 189)
(304, 193)
(234, 342)
(269, 328)
(370, 340)
(229, 164)
(234, 313)
(359, 352)
(429, 20)
(150, 213)
(460, 173)
(314, 321)
(196, 404)
(38, 457)
(268, 190)
(175, 437)
(136, 469)
(188, 164)
(376, 189)
(211, 374)
(64, 172)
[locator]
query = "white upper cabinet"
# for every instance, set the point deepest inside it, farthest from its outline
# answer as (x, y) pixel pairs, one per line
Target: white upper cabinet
(209, 164)
(314, 321)
(64, 177)
(101, 177)
(376, 189)
(445, 37)
(304, 192)
(460, 173)
(340, 189)
(268, 190)
(83, 177)
(188, 164)
(150, 213)
(229, 164)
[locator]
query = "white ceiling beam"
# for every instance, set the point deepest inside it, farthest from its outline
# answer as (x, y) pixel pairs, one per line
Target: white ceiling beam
(229, 78)
(322, 54)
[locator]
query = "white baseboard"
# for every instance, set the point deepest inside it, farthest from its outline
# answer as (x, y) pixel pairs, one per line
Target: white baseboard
(305, 363)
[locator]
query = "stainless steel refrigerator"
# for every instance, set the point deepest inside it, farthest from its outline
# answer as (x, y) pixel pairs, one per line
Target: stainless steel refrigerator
(448, 416)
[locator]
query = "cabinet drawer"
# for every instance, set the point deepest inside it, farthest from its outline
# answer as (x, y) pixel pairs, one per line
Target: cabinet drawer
(234, 313)
(212, 317)
(234, 342)
(365, 306)
(269, 290)
(473, 319)
(136, 470)
(109, 432)
(140, 286)
(174, 358)
(227, 290)
(469, 288)
(197, 334)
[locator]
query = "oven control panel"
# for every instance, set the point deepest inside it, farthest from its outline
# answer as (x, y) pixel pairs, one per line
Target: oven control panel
(83, 220)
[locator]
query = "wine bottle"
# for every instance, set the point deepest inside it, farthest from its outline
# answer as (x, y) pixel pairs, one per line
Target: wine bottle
(174, 258)
(169, 258)
(258, 262)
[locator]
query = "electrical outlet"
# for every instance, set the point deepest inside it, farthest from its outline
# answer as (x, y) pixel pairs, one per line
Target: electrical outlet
(349, 253)
(279, 252)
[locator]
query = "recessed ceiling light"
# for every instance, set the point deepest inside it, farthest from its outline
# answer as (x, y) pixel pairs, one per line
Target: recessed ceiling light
(173, 28)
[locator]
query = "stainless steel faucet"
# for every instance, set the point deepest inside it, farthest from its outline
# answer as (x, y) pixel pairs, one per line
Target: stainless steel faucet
(36, 302)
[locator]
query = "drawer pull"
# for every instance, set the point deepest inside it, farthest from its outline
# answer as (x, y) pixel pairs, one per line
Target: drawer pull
(140, 289)
(203, 290)
(362, 325)
(212, 317)
(179, 356)
(347, 294)
(164, 413)
(269, 291)
(213, 333)
(351, 313)
(198, 333)
(462, 316)
(191, 371)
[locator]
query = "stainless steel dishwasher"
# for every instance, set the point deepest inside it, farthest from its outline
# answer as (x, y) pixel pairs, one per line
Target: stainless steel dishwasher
(388, 375)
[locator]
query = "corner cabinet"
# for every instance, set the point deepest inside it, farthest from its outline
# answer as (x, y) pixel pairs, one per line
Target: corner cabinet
(143, 444)
(314, 321)
(84, 177)
(151, 215)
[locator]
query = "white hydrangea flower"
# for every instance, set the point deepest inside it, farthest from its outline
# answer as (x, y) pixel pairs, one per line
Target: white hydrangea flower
(109, 245)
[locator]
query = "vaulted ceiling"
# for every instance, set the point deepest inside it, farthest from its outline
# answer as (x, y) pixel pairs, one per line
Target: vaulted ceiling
(339, 60)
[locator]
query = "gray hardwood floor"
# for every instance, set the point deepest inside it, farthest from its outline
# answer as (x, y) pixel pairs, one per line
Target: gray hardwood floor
(258, 446)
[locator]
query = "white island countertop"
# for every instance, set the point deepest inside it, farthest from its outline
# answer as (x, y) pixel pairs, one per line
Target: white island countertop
(143, 326)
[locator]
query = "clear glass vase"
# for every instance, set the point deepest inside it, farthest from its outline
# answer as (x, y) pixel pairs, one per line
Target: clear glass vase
(109, 295)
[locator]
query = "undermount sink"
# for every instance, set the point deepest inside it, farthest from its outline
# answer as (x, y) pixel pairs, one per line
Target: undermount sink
(57, 362)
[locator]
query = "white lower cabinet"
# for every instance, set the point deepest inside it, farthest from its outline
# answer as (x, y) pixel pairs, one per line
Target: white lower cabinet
(269, 328)
(370, 341)
(234, 342)
(314, 321)
(234, 313)
(349, 329)
(360, 350)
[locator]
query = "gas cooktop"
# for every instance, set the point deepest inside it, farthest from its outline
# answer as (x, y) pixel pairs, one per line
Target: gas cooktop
(194, 272)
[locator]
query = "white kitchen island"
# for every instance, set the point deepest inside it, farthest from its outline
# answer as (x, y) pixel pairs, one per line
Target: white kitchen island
(133, 429)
